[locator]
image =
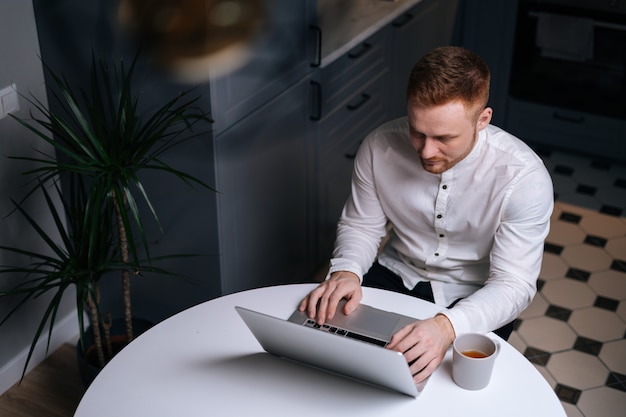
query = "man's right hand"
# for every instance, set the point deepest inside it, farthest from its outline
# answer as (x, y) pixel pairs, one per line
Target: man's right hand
(321, 303)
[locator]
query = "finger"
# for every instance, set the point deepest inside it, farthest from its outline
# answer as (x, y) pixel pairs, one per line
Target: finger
(310, 302)
(318, 304)
(398, 341)
(333, 302)
(328, 305)
(417, 361)
(351, 294)
(304, 304)
(425, 372)
(322, 308)
(351, 305)
(311, 308)
(353, 299)
(422, 367)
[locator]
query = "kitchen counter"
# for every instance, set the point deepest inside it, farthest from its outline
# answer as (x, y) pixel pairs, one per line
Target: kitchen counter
(346, 23)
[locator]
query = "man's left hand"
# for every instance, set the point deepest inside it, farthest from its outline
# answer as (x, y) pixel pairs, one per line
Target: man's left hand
(424, 344)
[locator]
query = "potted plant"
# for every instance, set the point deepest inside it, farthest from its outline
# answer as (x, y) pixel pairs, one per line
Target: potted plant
(103, 140)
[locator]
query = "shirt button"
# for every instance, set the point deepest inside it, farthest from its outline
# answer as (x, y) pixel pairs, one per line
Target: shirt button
(436, 253)
(445, 187)
(439, 216)
(441, 235)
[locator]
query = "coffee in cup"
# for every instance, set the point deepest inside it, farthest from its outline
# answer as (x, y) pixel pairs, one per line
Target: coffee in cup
(474, 354)
(473, 358)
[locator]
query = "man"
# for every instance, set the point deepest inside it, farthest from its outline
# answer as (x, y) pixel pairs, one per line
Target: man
(466, 205)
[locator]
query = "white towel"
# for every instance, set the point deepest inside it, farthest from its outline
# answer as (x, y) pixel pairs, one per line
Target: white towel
(565, 37)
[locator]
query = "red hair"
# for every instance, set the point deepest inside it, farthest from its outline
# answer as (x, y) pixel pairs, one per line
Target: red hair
(447, 74)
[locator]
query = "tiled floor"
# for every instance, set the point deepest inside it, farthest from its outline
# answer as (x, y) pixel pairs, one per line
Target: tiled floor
(575, 329)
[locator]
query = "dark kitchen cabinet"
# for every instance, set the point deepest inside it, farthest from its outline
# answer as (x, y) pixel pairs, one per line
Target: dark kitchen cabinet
(427, 25)
(262, 180)
(350, 102)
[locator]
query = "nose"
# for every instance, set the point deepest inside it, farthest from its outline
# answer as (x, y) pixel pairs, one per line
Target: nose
(426, 148)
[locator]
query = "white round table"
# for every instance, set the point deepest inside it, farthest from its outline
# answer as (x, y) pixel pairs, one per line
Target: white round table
(205, 362)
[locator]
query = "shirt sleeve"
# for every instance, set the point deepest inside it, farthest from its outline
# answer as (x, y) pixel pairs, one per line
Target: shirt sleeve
(362, 223)
(515, 258)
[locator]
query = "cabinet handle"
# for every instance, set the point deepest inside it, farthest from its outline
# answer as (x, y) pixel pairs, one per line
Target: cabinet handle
(361, 101)
(316, 101)
(403, 20)
(318, 46)
(355, 54)
(570, 119)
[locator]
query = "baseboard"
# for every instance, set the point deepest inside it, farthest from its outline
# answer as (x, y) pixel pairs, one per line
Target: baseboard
(65, 330)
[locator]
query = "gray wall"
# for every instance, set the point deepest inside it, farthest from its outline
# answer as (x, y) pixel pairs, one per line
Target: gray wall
(20, 64)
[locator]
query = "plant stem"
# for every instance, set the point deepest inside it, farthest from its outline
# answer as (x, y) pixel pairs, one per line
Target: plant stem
(128, 319)
(125, 273)
(95, 327)
(106, 326)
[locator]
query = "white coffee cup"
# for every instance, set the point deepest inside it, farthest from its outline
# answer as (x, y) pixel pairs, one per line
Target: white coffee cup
(473, 358)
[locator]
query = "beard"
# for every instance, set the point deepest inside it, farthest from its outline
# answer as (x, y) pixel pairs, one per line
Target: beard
(439, 165)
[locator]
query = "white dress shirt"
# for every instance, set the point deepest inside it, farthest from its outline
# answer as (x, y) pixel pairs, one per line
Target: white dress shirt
(476, 231)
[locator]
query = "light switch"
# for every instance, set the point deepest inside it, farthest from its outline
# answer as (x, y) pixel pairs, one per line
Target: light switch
(9, 101)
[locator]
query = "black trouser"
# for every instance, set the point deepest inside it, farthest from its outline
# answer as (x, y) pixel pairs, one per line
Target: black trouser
(380, 277)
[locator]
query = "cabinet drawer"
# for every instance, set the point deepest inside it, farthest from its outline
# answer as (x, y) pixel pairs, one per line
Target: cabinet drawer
(340, 134)
(341, 131)
(353, 69)
(567, 129)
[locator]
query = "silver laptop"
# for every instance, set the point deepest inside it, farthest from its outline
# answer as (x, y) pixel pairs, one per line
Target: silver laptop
(351, 346)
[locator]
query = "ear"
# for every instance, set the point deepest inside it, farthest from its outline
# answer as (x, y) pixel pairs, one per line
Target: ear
(484, 118)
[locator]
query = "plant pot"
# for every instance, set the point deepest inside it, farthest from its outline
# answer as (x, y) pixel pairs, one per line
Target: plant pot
(88, 365)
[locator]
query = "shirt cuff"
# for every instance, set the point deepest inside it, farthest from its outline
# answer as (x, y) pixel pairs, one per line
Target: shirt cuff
(339, 264)
(459, 321)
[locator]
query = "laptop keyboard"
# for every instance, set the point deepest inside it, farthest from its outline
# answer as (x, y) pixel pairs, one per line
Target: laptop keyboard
(345, 333)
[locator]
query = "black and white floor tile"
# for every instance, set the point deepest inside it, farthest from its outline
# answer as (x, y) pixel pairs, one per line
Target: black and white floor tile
(574, 331)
